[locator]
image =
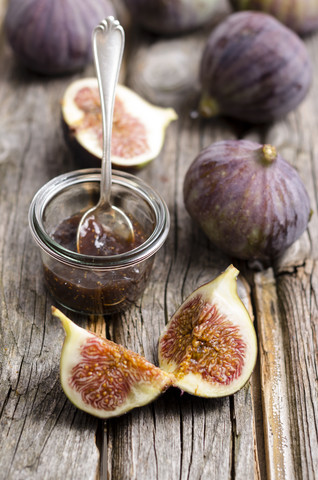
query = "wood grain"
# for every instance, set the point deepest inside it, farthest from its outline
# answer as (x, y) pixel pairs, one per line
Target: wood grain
(277, 426)
(269, 428)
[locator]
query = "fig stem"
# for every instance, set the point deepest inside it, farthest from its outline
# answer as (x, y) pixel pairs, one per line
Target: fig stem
(269, 154)
(227, 280)
(66, 323)
(208, 106)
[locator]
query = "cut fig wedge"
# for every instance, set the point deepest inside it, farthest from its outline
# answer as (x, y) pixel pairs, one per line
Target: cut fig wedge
(210, 344)
(138, 126)
(102, 378)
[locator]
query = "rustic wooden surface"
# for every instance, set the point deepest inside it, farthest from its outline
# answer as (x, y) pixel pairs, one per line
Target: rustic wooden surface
(267, 430)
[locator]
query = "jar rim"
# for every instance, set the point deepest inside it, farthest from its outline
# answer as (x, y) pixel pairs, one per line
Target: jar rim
(134, 184)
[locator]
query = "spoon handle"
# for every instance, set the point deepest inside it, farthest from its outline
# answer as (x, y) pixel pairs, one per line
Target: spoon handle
(108, 47)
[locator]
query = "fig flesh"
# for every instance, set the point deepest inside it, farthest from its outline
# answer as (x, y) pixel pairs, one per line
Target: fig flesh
(248, 200)
(102, 378)
(210, 344)
(254, 69)
(299, 15)
(171, 17)
(54, 37)
(138, 126)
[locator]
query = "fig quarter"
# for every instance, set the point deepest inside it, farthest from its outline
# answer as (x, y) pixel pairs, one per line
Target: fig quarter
(103, 378)
(210, 344)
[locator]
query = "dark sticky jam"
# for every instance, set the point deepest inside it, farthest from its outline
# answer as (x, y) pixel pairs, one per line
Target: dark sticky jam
(95, 240)
(88, 289)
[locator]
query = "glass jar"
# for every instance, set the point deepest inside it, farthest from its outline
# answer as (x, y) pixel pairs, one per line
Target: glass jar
(97, 284)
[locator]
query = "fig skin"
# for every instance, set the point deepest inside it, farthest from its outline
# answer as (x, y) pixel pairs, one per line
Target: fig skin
(299, 15)
(210, 344)
(247, 199)
(170, 17)
(105, 379)
(54, 38)
(254, 69)
(138, 126)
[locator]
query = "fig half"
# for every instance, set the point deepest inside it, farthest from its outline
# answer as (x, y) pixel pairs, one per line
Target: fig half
(210, 344)
(102, 378)
(138, 126)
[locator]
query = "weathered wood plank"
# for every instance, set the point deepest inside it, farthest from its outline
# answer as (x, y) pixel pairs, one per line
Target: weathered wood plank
(280, 298)
(277, 427)
(182, 436)
(297, 293)
(287, 327)
(178, 436)
(42, 434)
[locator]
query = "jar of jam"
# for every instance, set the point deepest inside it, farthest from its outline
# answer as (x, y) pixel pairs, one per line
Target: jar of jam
(102, 284)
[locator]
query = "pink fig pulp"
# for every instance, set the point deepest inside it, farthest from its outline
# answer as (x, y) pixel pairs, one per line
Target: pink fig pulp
(103, 378)
(210, 344)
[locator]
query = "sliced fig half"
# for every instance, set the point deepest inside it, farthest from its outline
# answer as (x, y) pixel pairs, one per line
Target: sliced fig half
(103, 378)
(210, 344)
(138, 126)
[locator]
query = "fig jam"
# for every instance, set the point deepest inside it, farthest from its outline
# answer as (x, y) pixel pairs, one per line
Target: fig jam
(94, 239)
(92, 290)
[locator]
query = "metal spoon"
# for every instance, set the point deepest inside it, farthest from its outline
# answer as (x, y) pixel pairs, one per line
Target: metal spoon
(106, 229)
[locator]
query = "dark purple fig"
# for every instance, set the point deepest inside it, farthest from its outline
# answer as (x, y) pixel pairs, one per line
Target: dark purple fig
(253, 68)
(299, 15)
(248, 200)
(54, 37)
(210, 345)
(170, 17)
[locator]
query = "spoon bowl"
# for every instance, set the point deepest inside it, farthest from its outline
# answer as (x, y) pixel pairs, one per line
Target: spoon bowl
(106, 229)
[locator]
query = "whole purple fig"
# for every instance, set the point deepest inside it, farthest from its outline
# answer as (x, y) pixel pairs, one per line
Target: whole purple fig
(170, 17)
(299, 15)
(247, 199)
(253, 68)
(54, 37)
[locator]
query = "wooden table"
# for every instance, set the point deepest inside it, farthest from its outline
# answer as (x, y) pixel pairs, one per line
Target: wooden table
(269, 429)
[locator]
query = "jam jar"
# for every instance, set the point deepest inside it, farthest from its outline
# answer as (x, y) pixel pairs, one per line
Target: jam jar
(96, 285)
